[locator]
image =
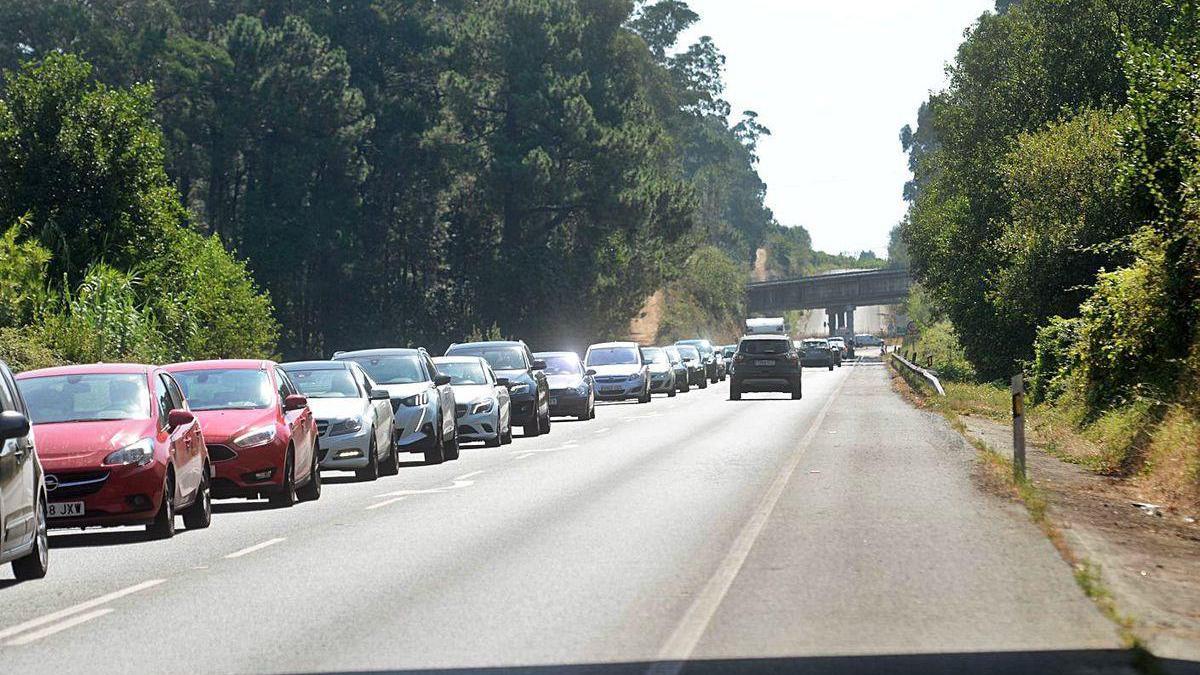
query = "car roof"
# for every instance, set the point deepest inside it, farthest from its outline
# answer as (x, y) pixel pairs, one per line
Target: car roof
(383, 351)
(223, 364)
(615, 344)
(88, 369)
(315, 365)
(458, 359)
(556, 354)
(488, 343)
(764, 336)
(693, 341)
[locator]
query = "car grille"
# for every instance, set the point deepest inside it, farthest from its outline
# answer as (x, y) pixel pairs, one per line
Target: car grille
(221, 453)
(322, 427)
(75, 484)
(460, 410)
(612, 379)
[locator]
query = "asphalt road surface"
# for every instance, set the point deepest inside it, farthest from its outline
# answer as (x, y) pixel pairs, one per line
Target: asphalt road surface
(841, 532)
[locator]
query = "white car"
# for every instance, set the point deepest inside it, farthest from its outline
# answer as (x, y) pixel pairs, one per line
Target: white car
(481, 401)
(354, 417)
(422, 400)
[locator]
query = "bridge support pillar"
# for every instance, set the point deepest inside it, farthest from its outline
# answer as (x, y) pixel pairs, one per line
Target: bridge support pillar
(840, 319)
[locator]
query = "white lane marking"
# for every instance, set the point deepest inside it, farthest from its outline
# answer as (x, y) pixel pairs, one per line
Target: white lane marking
(645, 417)
(524, 456)
(683, 640)
(75, 609)
(533, 451)
(58, 627)
(458, 483)
(382, 504)
(604, 430)
(257, 547)
(469, 475)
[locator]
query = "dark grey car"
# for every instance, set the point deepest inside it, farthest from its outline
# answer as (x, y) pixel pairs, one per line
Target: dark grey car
(765, 363)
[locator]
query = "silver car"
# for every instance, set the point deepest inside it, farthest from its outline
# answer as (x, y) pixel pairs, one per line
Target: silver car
(482, 404)
(354, 417)
(23, 538)
(422, 400)
(621, 372)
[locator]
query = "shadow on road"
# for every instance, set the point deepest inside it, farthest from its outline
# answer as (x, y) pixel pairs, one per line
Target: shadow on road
(244, 505)
(82, 539)
(998, 663)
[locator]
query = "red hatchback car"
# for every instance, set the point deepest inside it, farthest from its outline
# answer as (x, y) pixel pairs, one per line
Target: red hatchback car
(261, 435)
(119, 447)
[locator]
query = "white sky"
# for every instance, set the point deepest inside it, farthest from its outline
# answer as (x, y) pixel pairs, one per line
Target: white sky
(834, 80)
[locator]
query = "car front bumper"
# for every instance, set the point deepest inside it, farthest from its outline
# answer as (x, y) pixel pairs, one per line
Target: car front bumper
(568, 402)
(413, 425)
(127, 495)
(478, 427)
(247, 472)
(347, 451)
(617, 391)
(662, 382)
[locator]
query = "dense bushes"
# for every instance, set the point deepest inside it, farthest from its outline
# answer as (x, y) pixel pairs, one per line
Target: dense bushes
(705, 300)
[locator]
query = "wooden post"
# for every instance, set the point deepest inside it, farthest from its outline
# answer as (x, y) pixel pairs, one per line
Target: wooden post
(1018, 413)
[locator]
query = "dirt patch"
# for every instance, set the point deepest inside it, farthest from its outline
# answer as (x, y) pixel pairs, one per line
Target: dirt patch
(643, 328)
(1147, 557)
(760, 264)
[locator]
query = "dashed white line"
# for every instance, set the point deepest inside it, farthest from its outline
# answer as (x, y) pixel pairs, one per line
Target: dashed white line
(524, 456)
(469, 475)
(604, 430)
(257, 547)
(58, 627)
(75, 609)
(388, 502)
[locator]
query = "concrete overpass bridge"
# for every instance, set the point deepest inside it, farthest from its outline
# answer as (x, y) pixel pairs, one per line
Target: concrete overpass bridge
(838, 294)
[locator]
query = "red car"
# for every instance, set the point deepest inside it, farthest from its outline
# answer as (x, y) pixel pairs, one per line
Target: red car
(261, 435)
(118, 446)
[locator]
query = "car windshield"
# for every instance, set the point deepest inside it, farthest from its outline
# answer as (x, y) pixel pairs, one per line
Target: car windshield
(86, 398)
(395, 369)
(764, 347)
(672, 355)
(812, 344)
(702, 346)
(499, 358)
(226, 389)
(655, 355)
(612, 356)
(463, 372)
(325, 383)
(563, 365)
(688, 352)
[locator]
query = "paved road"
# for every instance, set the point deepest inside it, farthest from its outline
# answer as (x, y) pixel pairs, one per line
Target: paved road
(842, 531)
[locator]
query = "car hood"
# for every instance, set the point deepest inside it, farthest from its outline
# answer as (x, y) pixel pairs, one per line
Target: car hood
(220, 426)
(659, 367)
(86, 443)
(403, 390)
(336, 408)
(467, 393)
(564, 381)
(617, 369)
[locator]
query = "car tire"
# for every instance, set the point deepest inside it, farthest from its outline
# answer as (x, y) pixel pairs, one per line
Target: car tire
(831, 366)
(685, 387)
(285, 497)
(671, 392)
(163, 526)
(506, 437)
(735, 392)
(391, 466)
(450, 448)
(704, 383)
(199, 515)
(34, 564)
(434, 452)
(311, 491)
(797, 392)
(544, 424)
(370, 472)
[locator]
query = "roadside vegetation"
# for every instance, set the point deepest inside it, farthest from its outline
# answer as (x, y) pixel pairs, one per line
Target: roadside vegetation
(1053, 229)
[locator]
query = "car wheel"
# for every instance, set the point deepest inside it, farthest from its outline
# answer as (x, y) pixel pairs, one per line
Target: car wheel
(703, 382)
(797, 393)
(506, 437)
(199, 515)
(545, 423)
(685, 387)
(831, 366)
(534, 426)
(35, 563)
(391, 466)
(311, 491)
(433, 453)
(671, 392)
(163, 526)
(371, 470)
(286, 495)
(645, 397)
(735, 392)
(450, 450)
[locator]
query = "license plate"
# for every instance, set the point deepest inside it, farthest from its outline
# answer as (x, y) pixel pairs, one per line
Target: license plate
(64, 509)
(553, 401)
(611, 390)
(764, 362)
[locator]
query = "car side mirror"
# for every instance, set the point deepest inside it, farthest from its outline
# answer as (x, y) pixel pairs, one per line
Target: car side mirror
(295, 402)
(503, 381)
(13, 425)
(590, 372)
(441, 380)
(539, 364)
(179, 417)
(379, 395)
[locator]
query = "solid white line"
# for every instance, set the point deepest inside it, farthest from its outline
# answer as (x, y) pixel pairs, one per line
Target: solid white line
(679, 647)
(75, 609)
(386, 503)
(57, 628)
(257, 547)
(469, 475)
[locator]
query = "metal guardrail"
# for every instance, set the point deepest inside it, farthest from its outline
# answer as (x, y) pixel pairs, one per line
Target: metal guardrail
(918, 371)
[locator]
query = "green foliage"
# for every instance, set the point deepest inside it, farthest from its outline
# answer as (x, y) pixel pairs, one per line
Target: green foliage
(1056, 355)
(25, 348)
(700, 301)
(104, 321)
(938, 347)
(22, 278)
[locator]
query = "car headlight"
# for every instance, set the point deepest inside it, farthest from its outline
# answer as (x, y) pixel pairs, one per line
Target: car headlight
(137, 454)
(482, 407)
(416, 400)
(343, 427)
(519, 388)
(635, 378)
(255, 437)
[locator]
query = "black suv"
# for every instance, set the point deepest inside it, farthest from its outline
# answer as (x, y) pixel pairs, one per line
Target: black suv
(527, 385)
(765, 363)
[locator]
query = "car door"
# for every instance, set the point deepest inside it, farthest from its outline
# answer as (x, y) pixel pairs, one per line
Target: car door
(445, 394)
(186, 441)
(503, 400)
(539, 376)
(299, 423)
(18, 473)
(380, 412)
